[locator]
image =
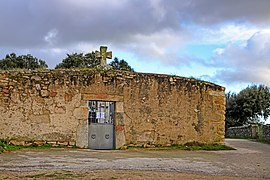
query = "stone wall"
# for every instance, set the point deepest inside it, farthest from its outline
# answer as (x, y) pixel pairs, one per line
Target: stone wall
(249, 131)
(253, 131)
(51, 106)
(266, 132)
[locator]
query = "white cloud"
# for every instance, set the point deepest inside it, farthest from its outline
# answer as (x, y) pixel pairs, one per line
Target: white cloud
(219, 51)
(159, 10)
(222, 34)
(150, 30)
(249, 63)
(51, 36)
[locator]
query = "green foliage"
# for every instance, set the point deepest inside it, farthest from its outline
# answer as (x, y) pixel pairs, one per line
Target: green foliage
(208, 147)
(248, 106)
(121, 65)
(194, 146)
(4, 146)
(12, 61)
(81, 60)
(190, 146)
(89, 60)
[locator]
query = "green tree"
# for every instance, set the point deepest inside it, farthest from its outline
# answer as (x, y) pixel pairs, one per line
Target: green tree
(12, 61)
(121, 65)
(80, 60)
(248, 106)
(89, 60)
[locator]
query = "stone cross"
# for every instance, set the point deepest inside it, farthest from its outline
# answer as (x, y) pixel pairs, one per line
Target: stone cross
(103, 54)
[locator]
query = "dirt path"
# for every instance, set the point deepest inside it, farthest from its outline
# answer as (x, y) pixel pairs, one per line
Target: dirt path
(250, 160)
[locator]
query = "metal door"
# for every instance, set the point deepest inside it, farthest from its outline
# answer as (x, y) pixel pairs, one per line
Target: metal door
(101, 124)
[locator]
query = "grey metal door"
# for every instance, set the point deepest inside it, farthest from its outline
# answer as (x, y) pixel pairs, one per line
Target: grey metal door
(101, 124)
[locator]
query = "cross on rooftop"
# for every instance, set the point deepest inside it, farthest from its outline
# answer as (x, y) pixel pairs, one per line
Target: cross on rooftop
(103, 54)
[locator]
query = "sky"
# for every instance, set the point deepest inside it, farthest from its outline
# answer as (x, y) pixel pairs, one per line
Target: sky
(226, 42)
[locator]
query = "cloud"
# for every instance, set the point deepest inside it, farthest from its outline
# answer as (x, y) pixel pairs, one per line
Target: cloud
(150, 30)
(244, 63)
(106, 21)
(209, 12)
(51, 36)
(163, 45)
(114, 21)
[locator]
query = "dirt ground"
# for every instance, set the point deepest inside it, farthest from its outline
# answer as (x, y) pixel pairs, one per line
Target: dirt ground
(251, 160)
(114, 174)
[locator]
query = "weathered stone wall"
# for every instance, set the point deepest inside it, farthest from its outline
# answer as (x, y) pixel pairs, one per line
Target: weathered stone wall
(51, 106)
(249, 131)
(266, 132)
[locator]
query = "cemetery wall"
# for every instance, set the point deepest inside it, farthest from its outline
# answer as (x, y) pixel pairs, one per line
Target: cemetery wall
(248, 131)
(266, 132)
(50, 106)
(253, 131)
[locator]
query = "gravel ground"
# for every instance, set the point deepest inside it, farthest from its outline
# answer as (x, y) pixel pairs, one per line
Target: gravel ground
(250, 160)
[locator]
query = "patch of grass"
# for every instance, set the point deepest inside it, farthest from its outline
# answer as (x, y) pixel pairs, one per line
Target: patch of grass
(4, 146)
(45, 146)
(135, 147)
(190, 146)
(211, 147)
(194, 146)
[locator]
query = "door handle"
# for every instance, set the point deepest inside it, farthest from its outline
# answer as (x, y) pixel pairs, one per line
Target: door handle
(93, 136)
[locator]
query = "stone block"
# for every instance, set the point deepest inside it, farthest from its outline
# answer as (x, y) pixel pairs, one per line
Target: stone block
(62, 143)
(36, 78)
(53, 93)
(17, 142)
(60, 110)
(44, 93)
(82, 134)
(3, 83)
(123, 147)
(119, 107)
(84, 103)
(39, 142)
(148, 145)
(120, 136)
(5, 91)
(52, 143)
(45, 87)
(119, 118)
(38, 87)
(119, 128)
(28, 143)
(68, 97)
(71, 143)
